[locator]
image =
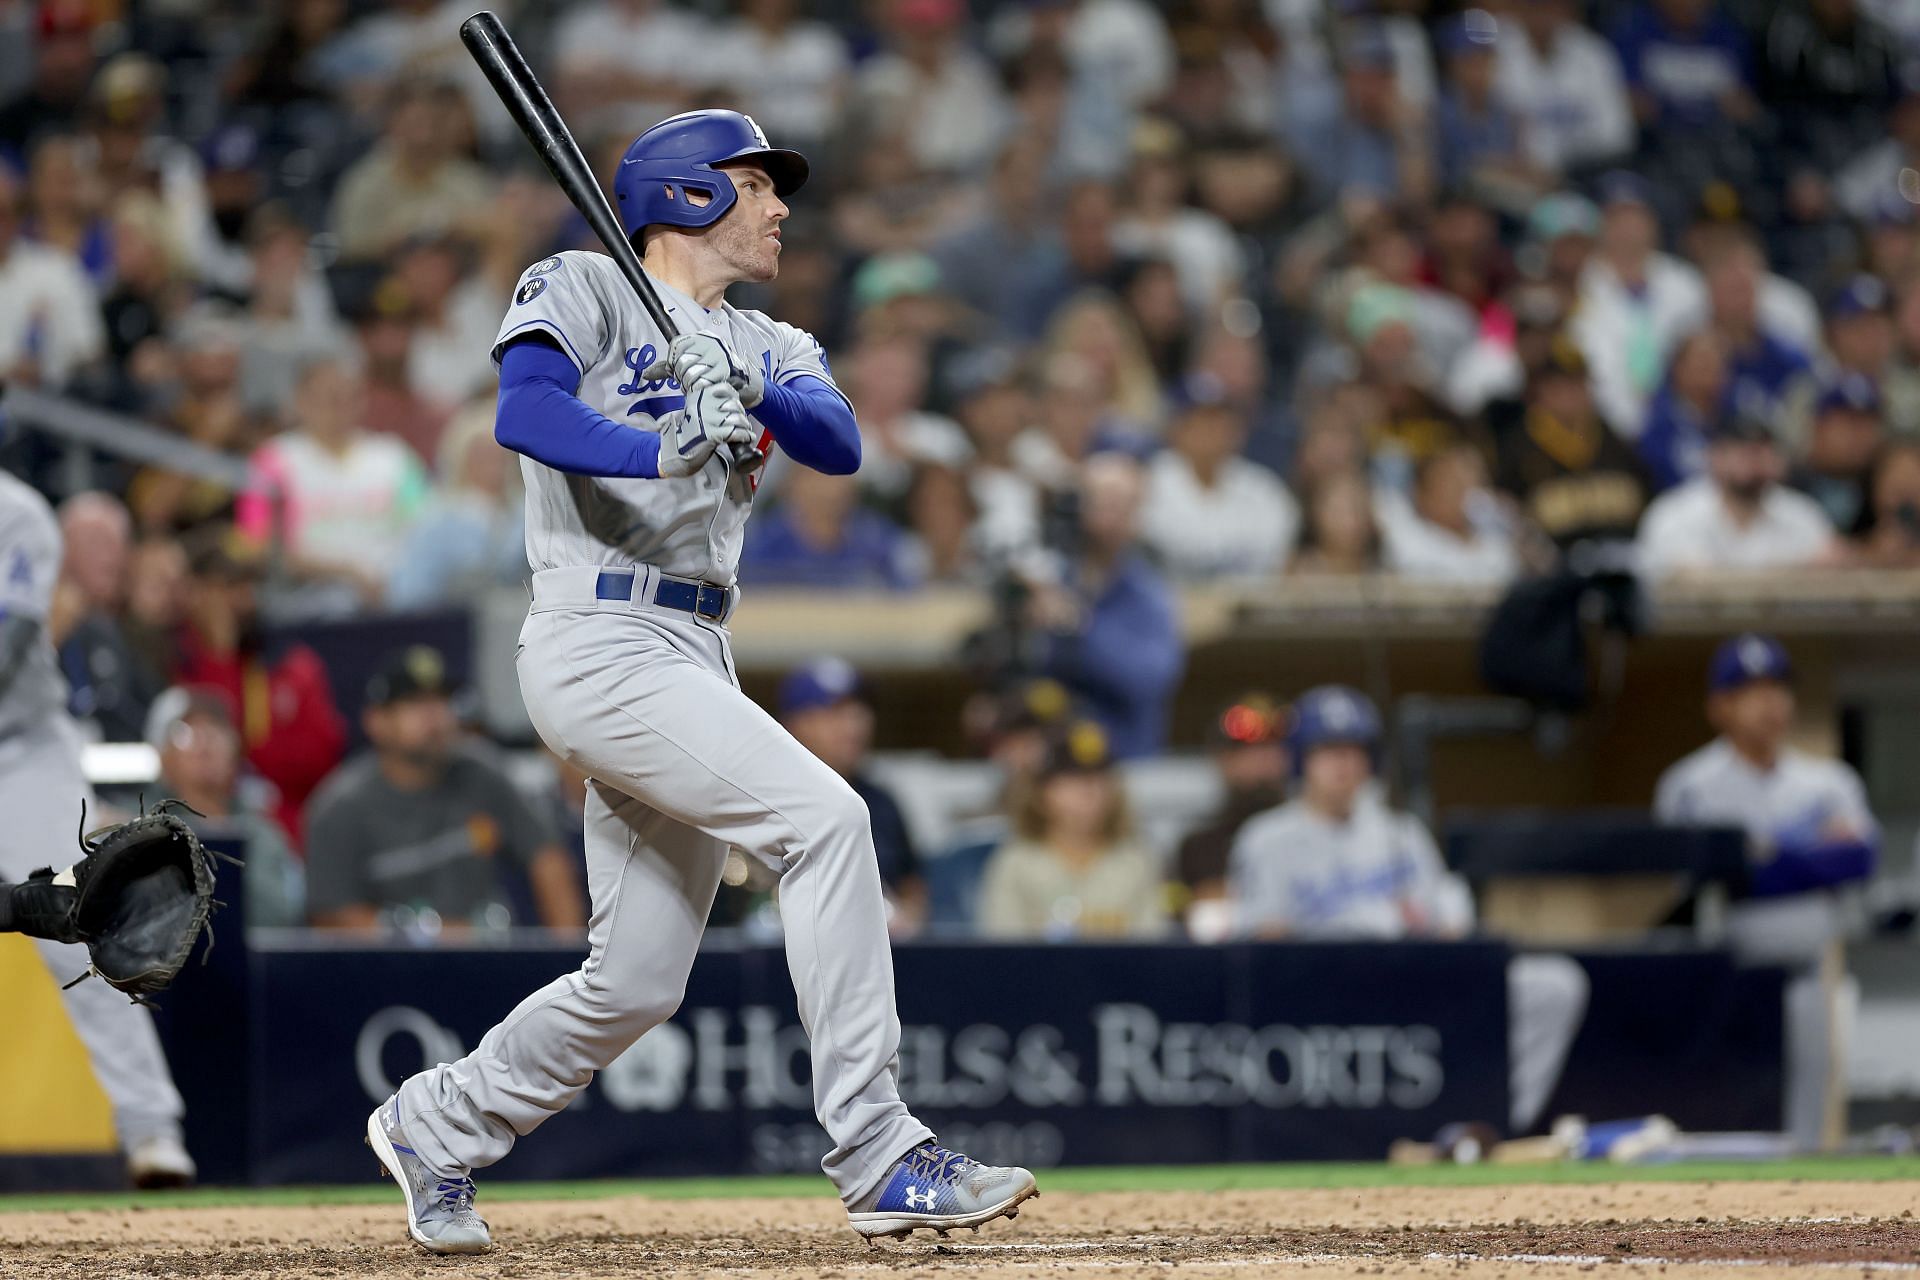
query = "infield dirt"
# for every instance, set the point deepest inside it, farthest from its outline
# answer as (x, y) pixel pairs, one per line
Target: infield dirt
(1680, 1230)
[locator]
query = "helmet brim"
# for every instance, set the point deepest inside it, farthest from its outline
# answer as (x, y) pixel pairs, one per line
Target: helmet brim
(787, 168)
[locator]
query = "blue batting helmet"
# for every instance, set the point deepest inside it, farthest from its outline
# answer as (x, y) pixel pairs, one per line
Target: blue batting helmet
(682, 154)
(1745, 659)
(1329, 714)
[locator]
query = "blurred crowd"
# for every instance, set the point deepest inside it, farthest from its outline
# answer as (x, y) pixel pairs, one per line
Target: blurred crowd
(1128, 297)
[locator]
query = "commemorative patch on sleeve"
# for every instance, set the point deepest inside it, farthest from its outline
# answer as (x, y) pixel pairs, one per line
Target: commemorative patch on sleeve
(531, 290)
(543, 266)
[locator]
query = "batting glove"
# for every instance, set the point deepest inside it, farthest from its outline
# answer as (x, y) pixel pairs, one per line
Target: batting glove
(713, 417)
(701, 357)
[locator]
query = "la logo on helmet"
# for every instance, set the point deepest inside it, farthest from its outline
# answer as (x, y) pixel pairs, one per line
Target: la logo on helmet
(759, 134)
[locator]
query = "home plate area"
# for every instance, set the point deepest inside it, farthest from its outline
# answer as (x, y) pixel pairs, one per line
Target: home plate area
(1681, 1229)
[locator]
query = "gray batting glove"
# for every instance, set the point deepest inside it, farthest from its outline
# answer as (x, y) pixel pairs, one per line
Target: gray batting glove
(701, 357)
(713, 418)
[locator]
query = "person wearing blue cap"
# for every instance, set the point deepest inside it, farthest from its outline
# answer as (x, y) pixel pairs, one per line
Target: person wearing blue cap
(1767, 323)
(1210, 513)
(1848, 432)
(1338, 862)
(1860, 333)
(823, 705)
(1369, 143)
(1690, 68)
(1738, 516)
(1810, 836)
(1478, 132)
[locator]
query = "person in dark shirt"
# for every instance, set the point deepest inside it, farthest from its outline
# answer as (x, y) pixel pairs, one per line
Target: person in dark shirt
(1830, 72)
(823, 706)
(1109, 626)
(819, 536)
(1248, 738)
(421, 825)
(1849, 430)
(111, 685)
(1575, 479)
(63, 66)
(1695, 394)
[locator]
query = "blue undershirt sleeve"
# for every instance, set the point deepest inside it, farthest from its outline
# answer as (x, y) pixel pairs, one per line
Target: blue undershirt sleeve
(1820, 866)
(813, 423)
(539, 415)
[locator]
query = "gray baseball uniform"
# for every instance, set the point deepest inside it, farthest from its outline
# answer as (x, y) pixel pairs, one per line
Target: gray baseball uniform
(643, 699)
(41, 790)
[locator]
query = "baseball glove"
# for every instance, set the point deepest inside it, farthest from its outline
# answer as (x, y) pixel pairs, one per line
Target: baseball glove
(138, 900)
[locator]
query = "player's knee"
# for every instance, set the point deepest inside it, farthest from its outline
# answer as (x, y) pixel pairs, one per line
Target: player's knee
(845, 819)
(632, 1006)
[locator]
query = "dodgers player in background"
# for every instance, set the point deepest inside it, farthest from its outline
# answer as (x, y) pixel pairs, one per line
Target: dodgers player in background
(1336, 861)
(641, 459)
(1812, 841)
(42, 788)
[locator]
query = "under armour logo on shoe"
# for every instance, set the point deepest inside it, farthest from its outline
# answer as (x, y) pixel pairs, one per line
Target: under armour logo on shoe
(913, 1198)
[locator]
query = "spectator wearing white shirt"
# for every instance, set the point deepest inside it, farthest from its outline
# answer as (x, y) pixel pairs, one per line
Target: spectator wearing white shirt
(1635, 305)
(1864, 182)
(341, 499)
(1736, 518)
(618, 61)
(1210, 513)
(885, 379)
(1566, 85)
(50, 325)
(1810, 836)
(1123, 45)
(931, 92)
(1161, 223)
(782, 68)
(1336, 862)
(456, 311)
(1450, 531)
(994, 406)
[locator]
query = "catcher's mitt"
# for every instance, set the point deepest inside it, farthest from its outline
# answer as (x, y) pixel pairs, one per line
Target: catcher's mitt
(142, 895)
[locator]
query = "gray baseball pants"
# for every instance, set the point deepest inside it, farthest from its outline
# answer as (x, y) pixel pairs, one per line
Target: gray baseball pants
(643, 700)
(41, 790)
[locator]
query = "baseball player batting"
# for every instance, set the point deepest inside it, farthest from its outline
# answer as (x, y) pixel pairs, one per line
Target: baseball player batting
(641, 457)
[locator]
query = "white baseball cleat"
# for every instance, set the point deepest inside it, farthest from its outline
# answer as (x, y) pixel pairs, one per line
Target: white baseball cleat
(160, 1163)
(440, 1213)
(940, 1190)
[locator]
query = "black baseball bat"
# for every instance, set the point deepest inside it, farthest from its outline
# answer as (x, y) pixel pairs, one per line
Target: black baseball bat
(487, 40)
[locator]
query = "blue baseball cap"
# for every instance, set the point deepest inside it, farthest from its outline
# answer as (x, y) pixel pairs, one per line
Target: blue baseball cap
(1854, 391)
(820, 683)
(1859, 296)
(1198, 391)
(233, 148)
(1624, 186)
(1746, 658)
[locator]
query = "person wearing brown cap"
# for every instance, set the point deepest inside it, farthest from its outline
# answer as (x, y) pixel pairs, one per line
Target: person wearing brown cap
(1074, 868)
(1574, 477)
